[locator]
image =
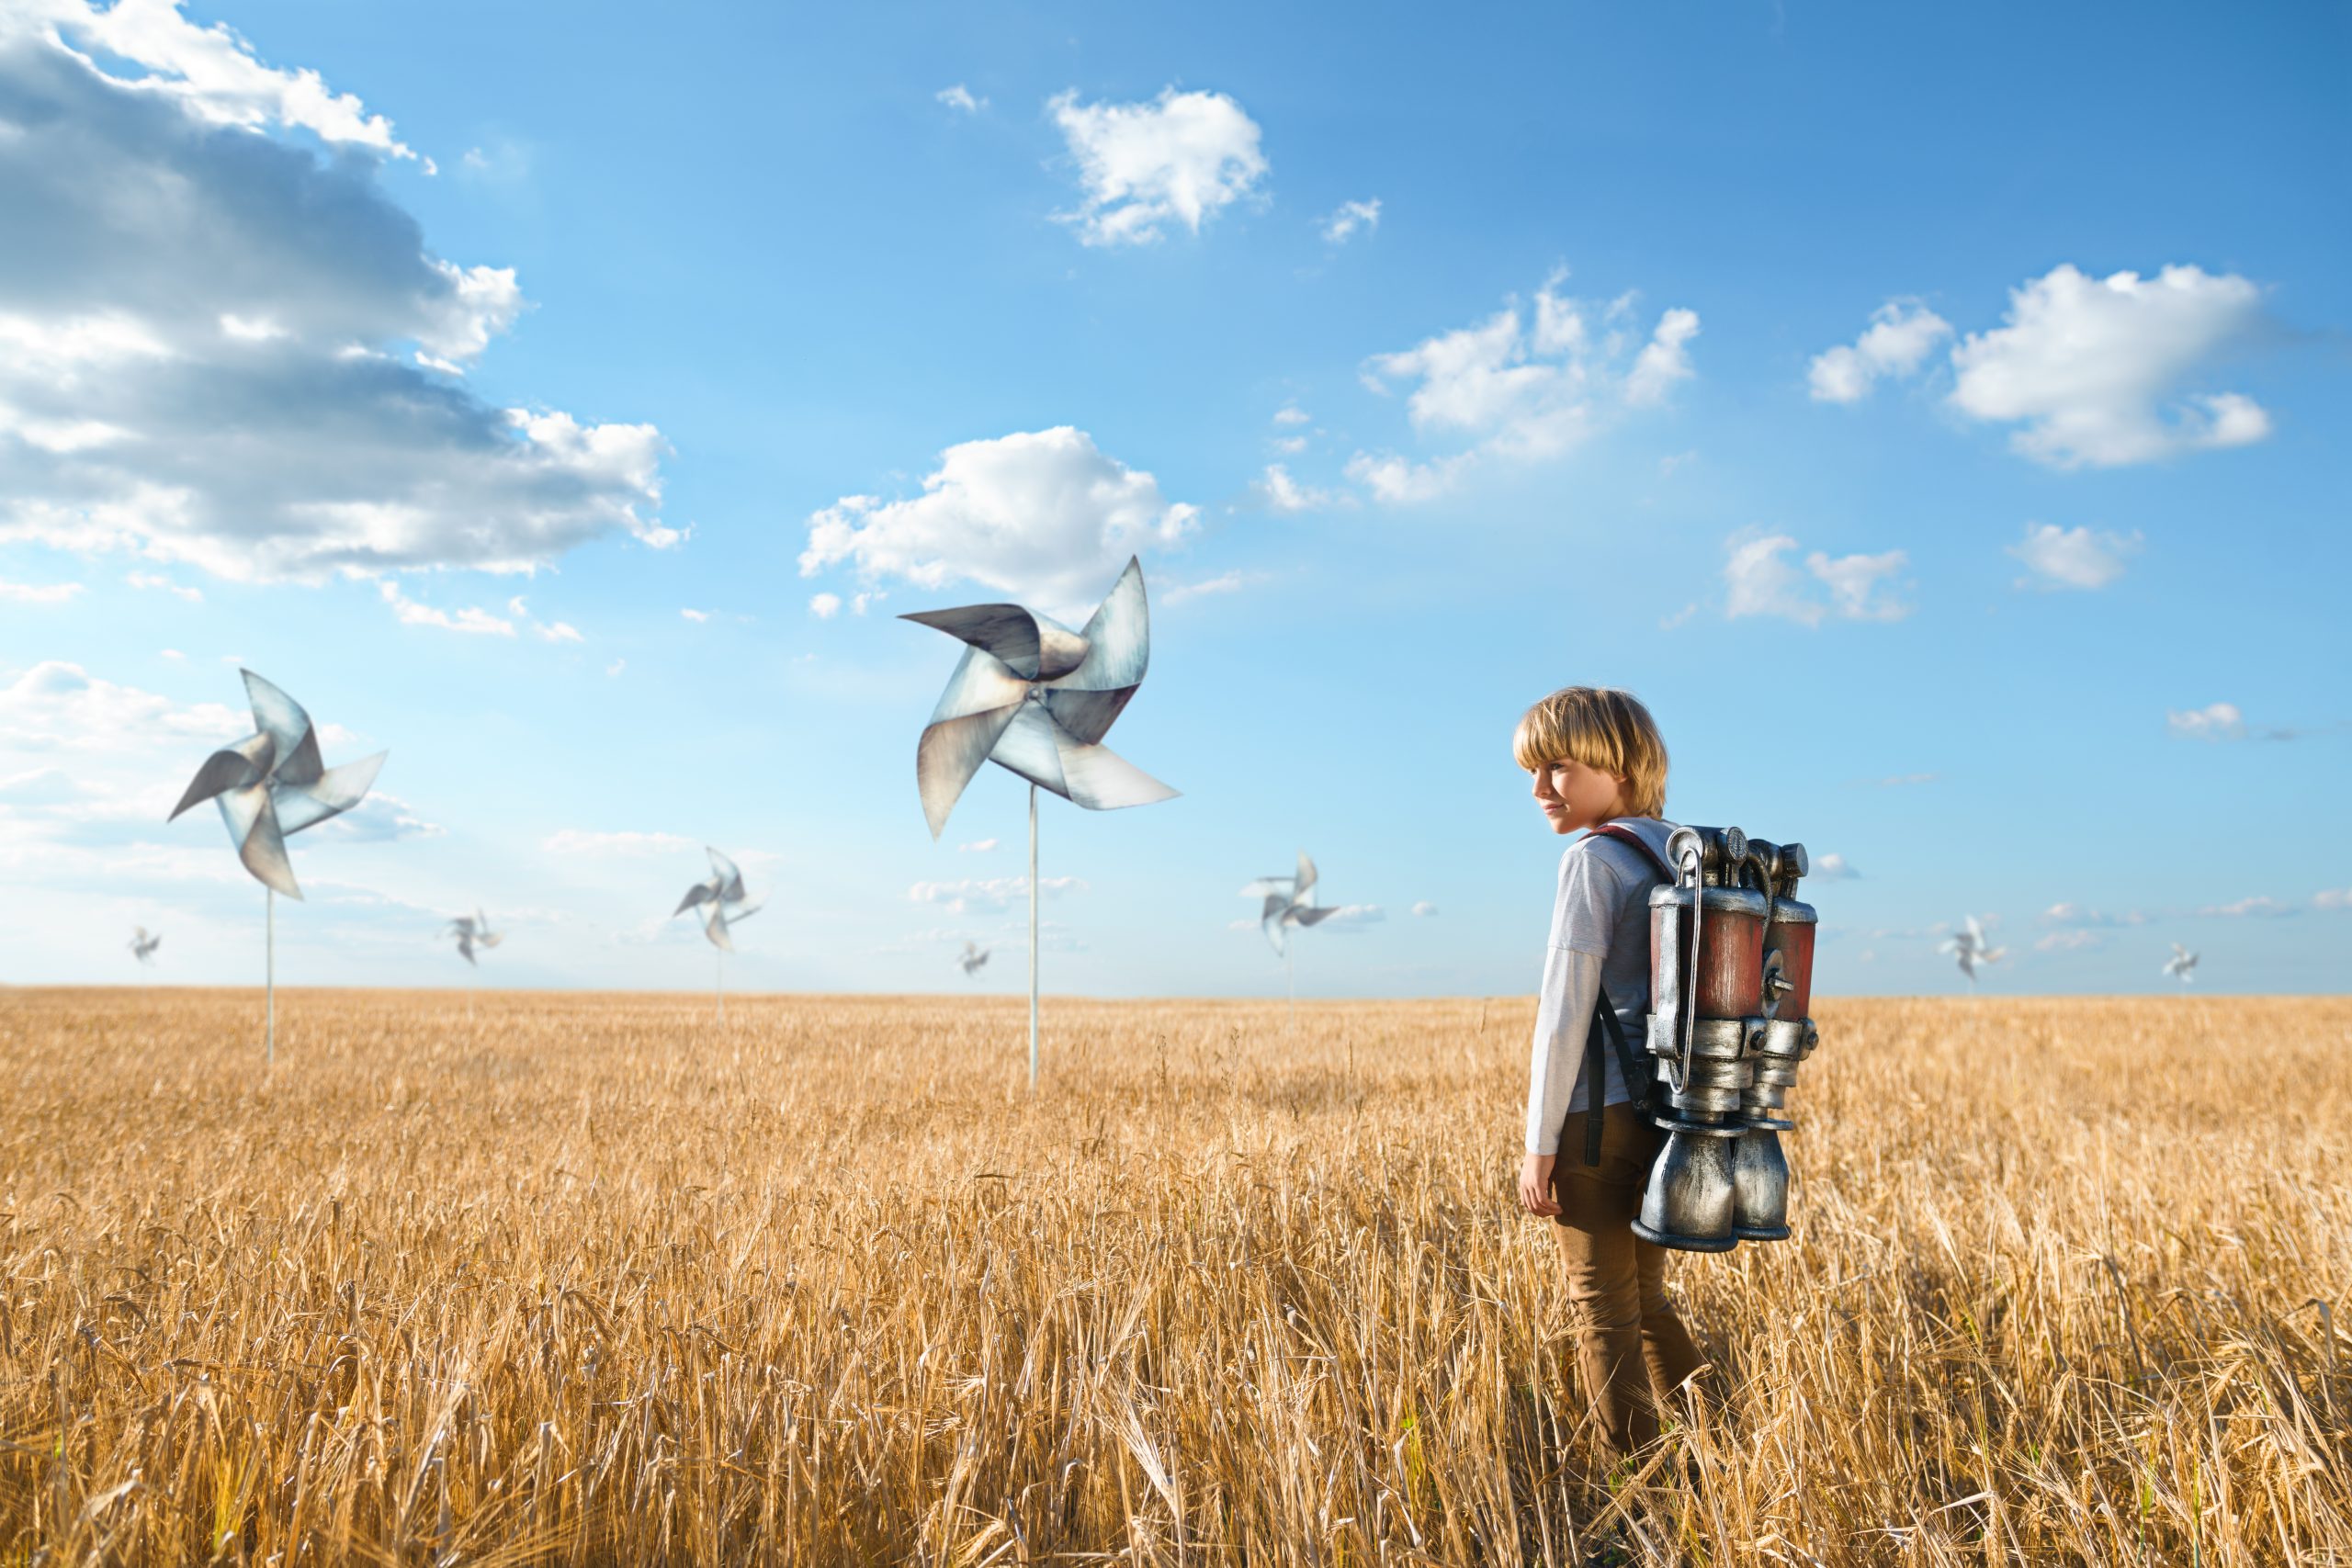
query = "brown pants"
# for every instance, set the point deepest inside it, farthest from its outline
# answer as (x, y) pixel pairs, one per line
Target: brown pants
(1631, 1348)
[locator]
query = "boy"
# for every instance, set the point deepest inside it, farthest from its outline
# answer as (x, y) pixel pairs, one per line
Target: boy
(1597, 760)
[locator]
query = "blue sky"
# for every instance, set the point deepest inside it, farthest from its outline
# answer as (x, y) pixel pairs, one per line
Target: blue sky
(1924, 413)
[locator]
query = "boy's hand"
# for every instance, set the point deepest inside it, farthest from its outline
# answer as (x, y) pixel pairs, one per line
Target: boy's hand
(1535, 1185)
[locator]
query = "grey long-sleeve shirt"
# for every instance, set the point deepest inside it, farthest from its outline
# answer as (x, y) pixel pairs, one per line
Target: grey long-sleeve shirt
(1599, 938)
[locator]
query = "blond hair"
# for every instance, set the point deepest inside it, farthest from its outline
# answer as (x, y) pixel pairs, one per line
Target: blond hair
(1601, 728)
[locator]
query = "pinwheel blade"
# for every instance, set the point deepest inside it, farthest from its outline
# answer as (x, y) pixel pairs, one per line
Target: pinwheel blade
(1314, 917)
(1029, 746)
(1101, 780)
(728, 879)
(1273, 926)
(251, 817)
(330, 794)
(950, 752)
(1117, 638)
(1086, 716)
(698, 892)
(714, 926)
(232, 767)
(281, 718)
(1034, 647)
(1306, 882)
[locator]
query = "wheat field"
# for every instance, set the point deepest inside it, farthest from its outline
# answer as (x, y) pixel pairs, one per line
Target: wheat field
(595, 1278)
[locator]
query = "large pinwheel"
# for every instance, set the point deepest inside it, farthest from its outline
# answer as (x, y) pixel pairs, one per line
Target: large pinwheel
(722, 900)
(269, 785)
(273, 783)
(1036, 698)
(2182, 964)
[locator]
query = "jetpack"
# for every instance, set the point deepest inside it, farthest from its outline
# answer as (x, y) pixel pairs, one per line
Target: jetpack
(1731, 993)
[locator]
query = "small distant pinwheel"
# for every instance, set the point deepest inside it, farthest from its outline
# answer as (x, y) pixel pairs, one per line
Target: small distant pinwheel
(143, 946)
(1969, 948)
(472, 932)
(2182, 964)
(1289, 901)
(722, 900)
(973, 957)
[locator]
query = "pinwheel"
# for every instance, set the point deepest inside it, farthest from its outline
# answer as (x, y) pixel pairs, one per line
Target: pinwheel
(1968, 947)
(2182, 964)
(143, 946)
(1037, 698)
(722, 901)
(973, 957)
(472, 932)
(269, 785)
(1289, 901)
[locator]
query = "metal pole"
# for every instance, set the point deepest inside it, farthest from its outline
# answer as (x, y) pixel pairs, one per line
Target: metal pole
(270, 972)
(719, 958)
(1290, 979)
(1033, 938)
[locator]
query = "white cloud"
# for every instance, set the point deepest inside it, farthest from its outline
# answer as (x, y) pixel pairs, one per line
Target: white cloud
(959, 97)
(1524, 384)
(1223, 582)
(1291, 413)
(2072, 558)
(1664, 361)
(2214, 721)
(1833, 868)
(227, 378)
(1043, 515)
(1855, 584)
(1181, 158)
(1680, 617)
(2333, 898)
(381, 818)
(411, 613)
(990, 892)
(2068, 941)
(698, 616)
(157, 581)
(574, 841)
(977, 847)
(2091, 367)
(58, 707)
(1424, 908)
(1395, 481)
(2261, 905)
(211, 71)
(1351, 217)
(1895, 344)
(38, 592)
(1277, 491)
(825, 606)
(1758, 581)
(615, 667)
(546, 631)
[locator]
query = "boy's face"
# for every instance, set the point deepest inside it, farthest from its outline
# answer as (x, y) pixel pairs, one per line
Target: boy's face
(1573, 796)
